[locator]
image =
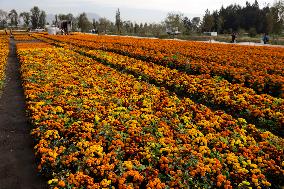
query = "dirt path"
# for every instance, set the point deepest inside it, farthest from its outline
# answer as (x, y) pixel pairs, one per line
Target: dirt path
(17, 162)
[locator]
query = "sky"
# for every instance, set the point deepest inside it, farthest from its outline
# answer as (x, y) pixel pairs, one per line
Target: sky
(134, 10)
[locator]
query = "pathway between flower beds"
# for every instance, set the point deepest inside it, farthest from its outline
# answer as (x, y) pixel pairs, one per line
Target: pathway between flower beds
(17, 162)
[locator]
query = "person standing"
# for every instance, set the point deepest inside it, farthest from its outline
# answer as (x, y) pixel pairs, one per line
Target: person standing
(234, 36)
(11, 33)
(265, 38)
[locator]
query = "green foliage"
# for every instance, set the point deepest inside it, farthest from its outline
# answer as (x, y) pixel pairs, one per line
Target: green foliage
(252, 32)
(14, 18)
(42, 19)
(35, 14)
(207, 22)
(83, 23)
(251, 18)
(118, 21)
(26, 17)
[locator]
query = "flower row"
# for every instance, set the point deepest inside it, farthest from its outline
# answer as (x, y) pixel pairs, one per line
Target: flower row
(96, 127)
(32, 45)
(260, 68)
(4, 51)
(237, 56)
(23, 37)
(265, 110)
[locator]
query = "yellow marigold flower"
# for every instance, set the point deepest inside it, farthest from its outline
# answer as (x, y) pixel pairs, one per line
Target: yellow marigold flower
(40, 103)
(97, 118)
(253, 166)
(52, 181)
(246, 183)
(105, 183)
(58, 109)
(128, 165)
(259, 159)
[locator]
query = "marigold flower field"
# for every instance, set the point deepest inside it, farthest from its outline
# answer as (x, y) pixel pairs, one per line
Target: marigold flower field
(22, 37)
(4, 51)
(122, 112)
(234, 63)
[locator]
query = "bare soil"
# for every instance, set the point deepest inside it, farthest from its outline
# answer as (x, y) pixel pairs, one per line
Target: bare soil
(17, 160)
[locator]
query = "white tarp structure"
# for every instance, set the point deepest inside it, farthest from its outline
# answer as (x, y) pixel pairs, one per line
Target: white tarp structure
(214, 33)
(211, 33)
(52, 30)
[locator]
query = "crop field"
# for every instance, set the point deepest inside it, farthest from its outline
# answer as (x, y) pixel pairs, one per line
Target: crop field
(4, 51)
(124, 112)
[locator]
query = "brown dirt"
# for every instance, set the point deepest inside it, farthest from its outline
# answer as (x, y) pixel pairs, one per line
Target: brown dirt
(17, 167)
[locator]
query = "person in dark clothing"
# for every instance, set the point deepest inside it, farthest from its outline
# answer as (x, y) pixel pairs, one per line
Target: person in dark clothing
(265, 38)
(11, 34)
(234, 36)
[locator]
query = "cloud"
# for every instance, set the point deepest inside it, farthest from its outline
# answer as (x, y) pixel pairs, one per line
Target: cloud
(132, 9)
(188, 6)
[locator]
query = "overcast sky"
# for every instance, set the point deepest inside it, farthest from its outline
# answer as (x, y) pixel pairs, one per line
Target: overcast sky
(139, 10)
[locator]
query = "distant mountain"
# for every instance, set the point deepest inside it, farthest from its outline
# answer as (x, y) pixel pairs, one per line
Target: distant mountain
(51, 17)
(92, 16)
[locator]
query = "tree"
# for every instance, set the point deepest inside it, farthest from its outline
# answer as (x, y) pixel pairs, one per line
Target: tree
(26, 17)
(230, 18)
(83, 23)
(174, 21)
(42, 19)
(157, 29)
(95, 24)
(145, 29)
(14, 19)
(127, 26)
(68, 16)
(112, 27)
(187, 24)
(277, 11)
(280, 7)
(103, 25)
(136, 28)
(251, 17)
(195, 21)
(3, 18)
(55, 22)
(267, 20)
(75, 25)
(118, 21)
(35, 16)
(207, 22)
(131, 27)
(218, 22)
(62, 17)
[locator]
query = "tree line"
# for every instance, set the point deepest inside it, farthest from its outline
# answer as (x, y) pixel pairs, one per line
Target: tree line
(36, 17)
(234, 18)
(250, 18)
